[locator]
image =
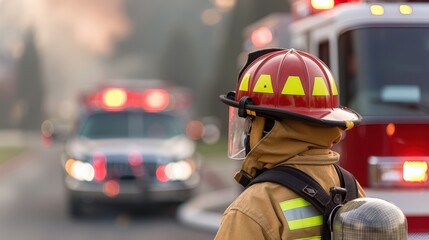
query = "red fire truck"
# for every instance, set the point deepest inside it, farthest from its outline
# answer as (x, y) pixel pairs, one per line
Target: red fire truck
(379, 55)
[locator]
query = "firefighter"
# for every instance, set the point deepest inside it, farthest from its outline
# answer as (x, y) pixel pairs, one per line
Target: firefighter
(284, 111)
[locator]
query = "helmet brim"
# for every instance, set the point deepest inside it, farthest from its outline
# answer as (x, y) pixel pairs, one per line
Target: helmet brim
(340, 117)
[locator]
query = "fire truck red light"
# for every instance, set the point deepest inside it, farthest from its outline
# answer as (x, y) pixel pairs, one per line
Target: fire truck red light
(261, 36)
(322, 4)
(415, 171)
(390, 129)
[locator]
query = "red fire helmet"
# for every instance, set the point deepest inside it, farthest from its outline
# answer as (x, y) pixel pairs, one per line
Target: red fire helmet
(287, 83)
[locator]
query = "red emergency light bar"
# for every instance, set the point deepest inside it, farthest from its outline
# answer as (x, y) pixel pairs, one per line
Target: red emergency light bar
(398, 171)
(415, 171)
(155, 100)
(116, 99)
(303, 8)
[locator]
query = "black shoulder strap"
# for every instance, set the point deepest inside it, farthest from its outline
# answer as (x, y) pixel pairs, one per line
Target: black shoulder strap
(305, 186)
(297, 181)
(300, 182)
(348, 182)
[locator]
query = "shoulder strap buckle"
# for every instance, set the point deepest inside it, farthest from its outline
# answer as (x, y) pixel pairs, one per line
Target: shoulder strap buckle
(338, 194)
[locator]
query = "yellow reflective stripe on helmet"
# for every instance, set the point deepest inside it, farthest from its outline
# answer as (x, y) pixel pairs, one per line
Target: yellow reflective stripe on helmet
(293, 86)
(332, 82)
(264, 85)
(320, 88)
(244, 85)
(310, 238)
(334, 87)
(300, 214)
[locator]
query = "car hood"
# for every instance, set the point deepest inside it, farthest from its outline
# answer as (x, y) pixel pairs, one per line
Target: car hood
(179, 146)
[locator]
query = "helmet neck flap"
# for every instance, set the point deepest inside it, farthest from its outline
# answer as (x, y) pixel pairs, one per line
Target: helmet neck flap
(291, 142)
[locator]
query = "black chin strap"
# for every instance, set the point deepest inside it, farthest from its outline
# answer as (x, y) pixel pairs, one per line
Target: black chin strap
(243, 178)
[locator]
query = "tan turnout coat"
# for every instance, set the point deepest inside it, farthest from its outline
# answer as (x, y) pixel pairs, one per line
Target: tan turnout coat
(271, 211)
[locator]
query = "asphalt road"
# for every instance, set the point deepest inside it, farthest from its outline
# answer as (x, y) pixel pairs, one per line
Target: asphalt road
(33, 207)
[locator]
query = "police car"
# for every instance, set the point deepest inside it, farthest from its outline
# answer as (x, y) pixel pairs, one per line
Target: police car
(130, 145)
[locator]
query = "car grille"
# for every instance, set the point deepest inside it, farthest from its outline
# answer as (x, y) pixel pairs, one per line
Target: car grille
(118, 168)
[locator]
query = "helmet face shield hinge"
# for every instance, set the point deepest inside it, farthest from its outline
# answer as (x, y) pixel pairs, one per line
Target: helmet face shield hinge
(242, 106)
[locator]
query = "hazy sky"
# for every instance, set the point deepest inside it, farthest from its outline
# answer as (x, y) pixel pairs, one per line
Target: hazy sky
(82, 42)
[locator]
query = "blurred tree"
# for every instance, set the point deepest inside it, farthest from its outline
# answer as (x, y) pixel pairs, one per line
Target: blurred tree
(245, 13)
(27, 109)
(179, 59)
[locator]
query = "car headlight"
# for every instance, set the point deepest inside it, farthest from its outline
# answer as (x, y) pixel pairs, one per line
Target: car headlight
(176, 171)
(79, 170)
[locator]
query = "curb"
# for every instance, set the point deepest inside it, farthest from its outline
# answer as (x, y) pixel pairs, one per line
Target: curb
(200, 211)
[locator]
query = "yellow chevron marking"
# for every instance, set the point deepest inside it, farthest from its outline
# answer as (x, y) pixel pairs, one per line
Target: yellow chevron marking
(244, 85)
(333, 86)
(293, 86)
(320, 88)
(264, 85)
(332, 82)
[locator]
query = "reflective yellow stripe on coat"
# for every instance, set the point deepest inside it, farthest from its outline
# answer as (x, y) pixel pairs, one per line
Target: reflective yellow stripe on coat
(301, 214)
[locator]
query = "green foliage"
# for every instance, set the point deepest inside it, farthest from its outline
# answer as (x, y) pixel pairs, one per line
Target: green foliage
(7, 153)
(209, 150)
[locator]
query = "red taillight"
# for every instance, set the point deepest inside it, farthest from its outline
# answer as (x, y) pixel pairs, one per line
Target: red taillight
(415, 171)
(99, 164)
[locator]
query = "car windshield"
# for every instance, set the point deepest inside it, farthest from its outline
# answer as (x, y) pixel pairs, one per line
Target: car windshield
(384, 71)
(130, 125)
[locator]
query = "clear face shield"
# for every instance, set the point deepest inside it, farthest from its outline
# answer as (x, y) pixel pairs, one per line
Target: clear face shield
(237, 133)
